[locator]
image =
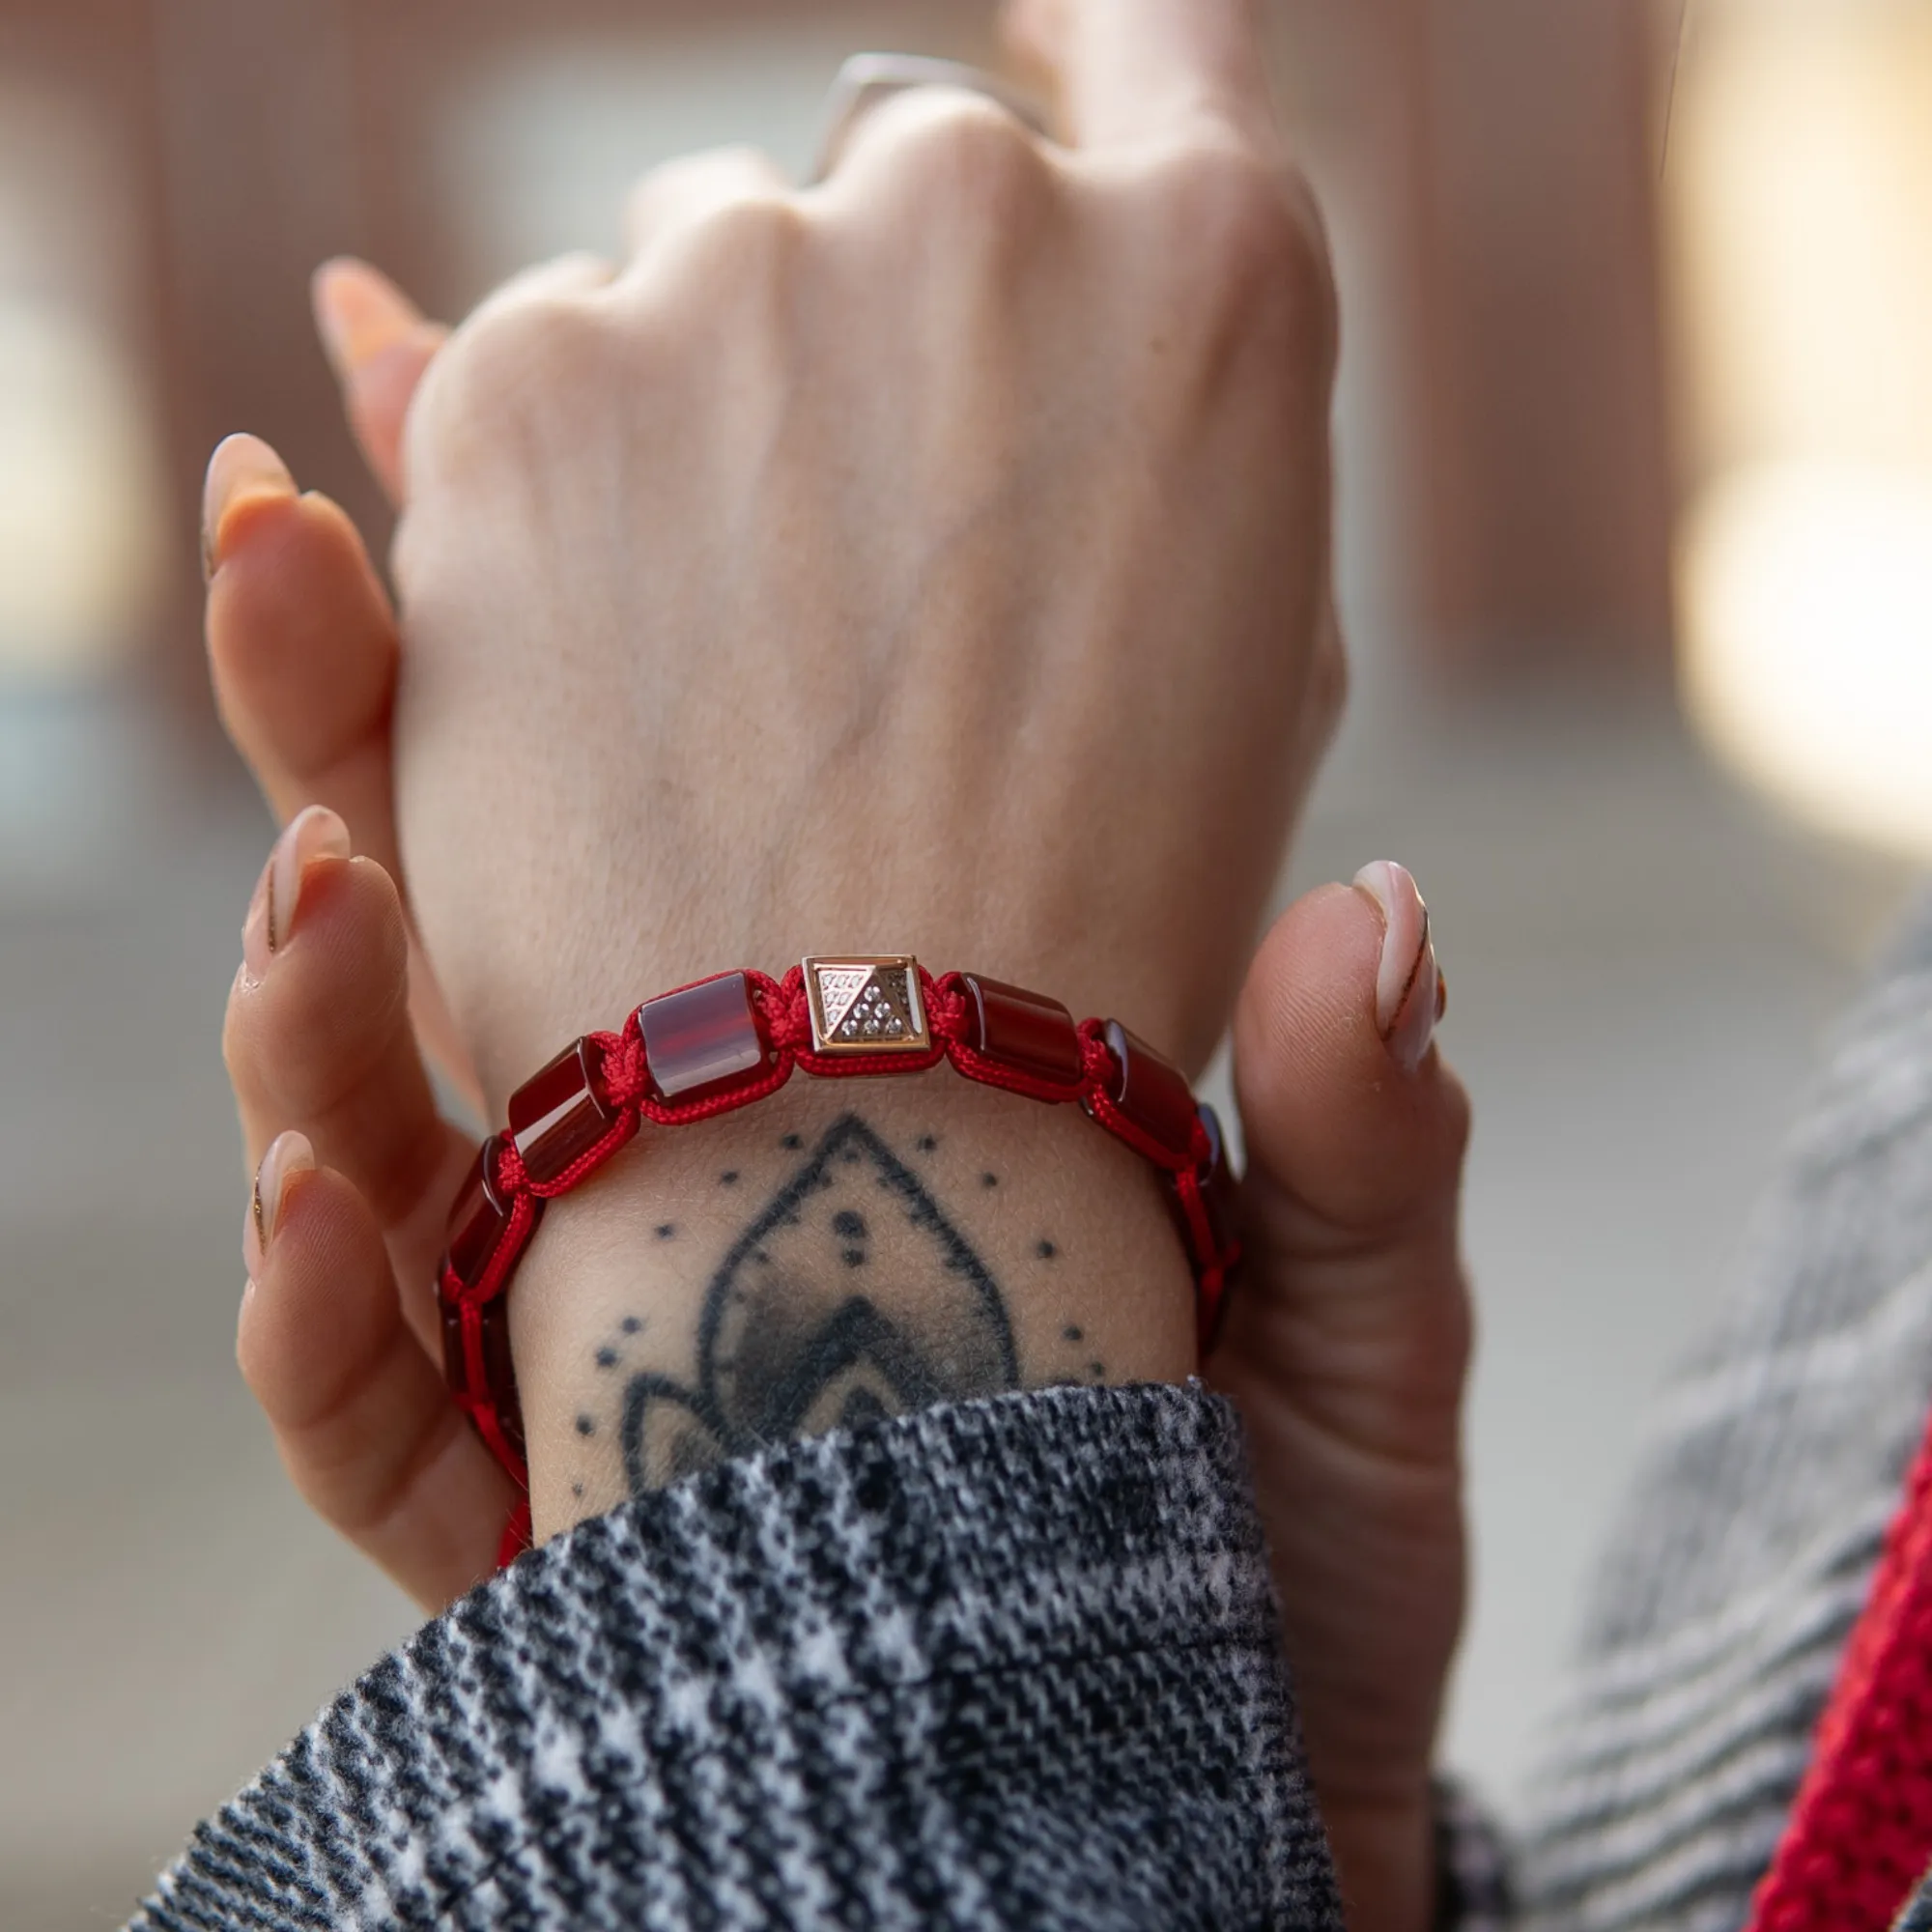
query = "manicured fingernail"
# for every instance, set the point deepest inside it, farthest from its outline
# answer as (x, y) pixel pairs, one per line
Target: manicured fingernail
(287, 1154)
(241, 467)
(1409, 991)
(358, 314)
(314, 833)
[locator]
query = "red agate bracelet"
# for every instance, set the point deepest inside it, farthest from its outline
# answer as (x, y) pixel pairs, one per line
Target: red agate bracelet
(726, 1042)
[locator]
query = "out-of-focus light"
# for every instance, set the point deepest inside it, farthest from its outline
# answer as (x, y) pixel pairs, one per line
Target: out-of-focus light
(1800, 197)
(1806, 597)
(79, 522)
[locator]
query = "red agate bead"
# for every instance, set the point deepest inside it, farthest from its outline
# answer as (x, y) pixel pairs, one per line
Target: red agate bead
(478, 1219)
(1152, 1093)
(498, 1385)
(702, 1035)
(1026, 1031)
(556, 1117)
(1217, 1182)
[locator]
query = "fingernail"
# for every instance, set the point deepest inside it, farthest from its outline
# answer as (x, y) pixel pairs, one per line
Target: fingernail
(314, 833)
(241, 465)
(358, 314)
(287, 1154)
(1409, 990)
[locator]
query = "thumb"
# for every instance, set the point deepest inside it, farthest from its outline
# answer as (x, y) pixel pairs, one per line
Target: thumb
(380, 345)
(1353, 1313)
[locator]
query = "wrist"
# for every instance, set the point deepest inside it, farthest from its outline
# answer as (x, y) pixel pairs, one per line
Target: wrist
(839, 1251)
(1385, 1853)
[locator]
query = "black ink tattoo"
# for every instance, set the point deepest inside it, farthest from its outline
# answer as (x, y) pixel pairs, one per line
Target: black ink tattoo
(1074, 1334)
(631, 1325)
(607, 1358)
(586, 1425)
(990, 1180)
(729, 1177)
(666, 1230)
(926, 1144)
(1047, 1251)
(794, 1346)
(792, 1142)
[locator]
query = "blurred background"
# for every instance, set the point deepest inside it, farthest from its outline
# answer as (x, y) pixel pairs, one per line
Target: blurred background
(1636, 456)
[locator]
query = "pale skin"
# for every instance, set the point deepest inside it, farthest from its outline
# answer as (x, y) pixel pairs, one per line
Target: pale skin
(936, 560)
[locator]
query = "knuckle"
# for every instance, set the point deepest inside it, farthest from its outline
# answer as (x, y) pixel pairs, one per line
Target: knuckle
(958, 154)
(753, 235)
(1250, 235)
(512, 360)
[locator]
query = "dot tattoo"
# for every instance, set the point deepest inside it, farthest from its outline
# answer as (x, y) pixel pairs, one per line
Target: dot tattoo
(804, 1327)
(607, 1358)
(586, 1425)
(1047, 1251)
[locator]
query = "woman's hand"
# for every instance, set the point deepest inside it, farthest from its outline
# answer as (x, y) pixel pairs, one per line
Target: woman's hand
(938, 557)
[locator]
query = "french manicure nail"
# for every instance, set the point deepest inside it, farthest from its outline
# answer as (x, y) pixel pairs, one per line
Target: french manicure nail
(287, 1154)
(241, 465)
(358, 314)
(314, 833)
(1409, 986)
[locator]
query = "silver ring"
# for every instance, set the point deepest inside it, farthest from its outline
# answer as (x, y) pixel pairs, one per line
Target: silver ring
(866, 79)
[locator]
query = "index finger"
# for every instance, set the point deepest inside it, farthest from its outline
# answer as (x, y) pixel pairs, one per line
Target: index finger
(1127, 69)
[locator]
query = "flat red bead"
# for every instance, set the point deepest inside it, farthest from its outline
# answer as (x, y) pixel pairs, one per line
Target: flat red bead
(1024, 1030)
(1217, 1185)
(1151, 1092)
(556, 1117)
(478, 1219)
(701, 1037)
(499, 1375)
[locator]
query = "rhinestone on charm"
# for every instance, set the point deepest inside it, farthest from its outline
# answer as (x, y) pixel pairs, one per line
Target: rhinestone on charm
(866, 1005)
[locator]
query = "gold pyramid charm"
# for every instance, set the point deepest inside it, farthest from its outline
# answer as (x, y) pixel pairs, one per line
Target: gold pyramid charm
(866, 1005)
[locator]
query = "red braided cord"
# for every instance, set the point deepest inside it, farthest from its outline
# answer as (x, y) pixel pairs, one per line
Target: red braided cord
(1860, 1836)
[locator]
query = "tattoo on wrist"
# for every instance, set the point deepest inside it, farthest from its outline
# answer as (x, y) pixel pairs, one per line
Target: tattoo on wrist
(850, 1293)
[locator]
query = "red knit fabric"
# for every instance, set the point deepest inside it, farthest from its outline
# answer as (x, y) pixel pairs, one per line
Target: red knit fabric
(1860, 1837)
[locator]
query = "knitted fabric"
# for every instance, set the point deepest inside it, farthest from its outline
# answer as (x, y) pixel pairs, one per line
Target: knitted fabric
(1009, 1664)
(1724, 1602)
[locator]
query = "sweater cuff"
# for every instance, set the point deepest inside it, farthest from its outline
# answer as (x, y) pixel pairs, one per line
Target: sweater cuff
(1009, 1662)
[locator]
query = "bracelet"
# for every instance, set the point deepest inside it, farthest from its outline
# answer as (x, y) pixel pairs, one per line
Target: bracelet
(725, 1042)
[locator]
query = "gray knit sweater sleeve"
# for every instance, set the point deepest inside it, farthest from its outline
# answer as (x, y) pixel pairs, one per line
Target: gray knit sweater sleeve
(1008, 1663)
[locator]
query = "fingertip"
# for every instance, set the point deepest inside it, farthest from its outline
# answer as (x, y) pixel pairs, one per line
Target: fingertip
(243, 470)
(1312, 980)
(1336, 1108)
(321, 1304)
(1408, 984)
(302, 640)
(359, 313)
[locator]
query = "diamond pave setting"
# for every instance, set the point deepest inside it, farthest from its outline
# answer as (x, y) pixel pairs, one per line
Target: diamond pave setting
(866, 1005)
